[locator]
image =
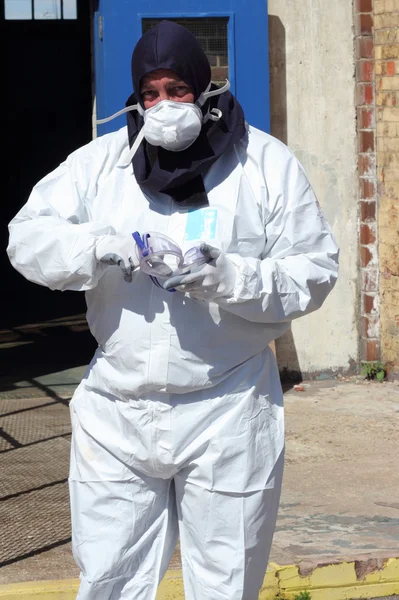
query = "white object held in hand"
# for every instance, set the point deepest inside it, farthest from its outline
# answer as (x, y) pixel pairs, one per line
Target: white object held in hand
(214, 279)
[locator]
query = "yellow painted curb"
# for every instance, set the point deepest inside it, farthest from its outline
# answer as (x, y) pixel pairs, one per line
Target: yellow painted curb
(47, 590)
(341, 581)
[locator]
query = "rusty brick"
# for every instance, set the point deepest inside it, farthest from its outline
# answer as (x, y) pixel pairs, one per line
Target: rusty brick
(367, 235)
(367, 211)
(368, 303)
(363, 24)
(365, 118)
(369, 280)
(390, 67)
(366, 188)
(369, 350)
(365, 256)
(365, 93)
(366, 165)
(365, 47)
(365, 70)
(366, 141)
(364, 6)
(372, 350)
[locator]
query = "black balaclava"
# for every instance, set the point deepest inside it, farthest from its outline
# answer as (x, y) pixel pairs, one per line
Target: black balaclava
(179, 174)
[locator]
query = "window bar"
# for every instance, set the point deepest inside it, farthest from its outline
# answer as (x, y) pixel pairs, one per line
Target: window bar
(62, 10)
(33, 8)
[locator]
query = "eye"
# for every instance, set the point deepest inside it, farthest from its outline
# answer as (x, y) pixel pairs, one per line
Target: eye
(179, 90)
(149, 95)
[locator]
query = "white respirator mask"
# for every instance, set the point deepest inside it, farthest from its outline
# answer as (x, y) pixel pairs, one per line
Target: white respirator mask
(172, 125)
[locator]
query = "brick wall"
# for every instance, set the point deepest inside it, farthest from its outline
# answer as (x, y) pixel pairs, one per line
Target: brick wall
(377, 80)
(368, 231)
(386, 40)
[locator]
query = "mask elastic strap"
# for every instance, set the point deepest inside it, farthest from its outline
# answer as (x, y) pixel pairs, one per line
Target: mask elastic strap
(120, 112)
(207, 94)
(213, 115)
(139, 138)
(128, 156)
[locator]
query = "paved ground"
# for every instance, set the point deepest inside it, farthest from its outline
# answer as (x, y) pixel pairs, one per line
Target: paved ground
(340, 493)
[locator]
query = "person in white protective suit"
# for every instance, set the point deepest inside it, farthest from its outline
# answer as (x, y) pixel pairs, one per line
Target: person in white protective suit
(178, 422)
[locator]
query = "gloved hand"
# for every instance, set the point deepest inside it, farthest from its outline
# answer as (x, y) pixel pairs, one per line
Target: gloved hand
(214, 279)
(120, 250)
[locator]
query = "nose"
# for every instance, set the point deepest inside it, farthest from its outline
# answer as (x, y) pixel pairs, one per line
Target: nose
(164, 95)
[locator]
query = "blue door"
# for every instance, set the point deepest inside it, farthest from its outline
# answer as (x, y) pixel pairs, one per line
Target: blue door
(234, 37)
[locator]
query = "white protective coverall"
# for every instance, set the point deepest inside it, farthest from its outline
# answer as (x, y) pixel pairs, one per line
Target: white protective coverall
(178, 422)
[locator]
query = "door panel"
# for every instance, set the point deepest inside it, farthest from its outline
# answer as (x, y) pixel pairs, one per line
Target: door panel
(118, 26)
(46, 104)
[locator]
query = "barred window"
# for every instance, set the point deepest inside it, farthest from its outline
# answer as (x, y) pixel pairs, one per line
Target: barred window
(40, 10)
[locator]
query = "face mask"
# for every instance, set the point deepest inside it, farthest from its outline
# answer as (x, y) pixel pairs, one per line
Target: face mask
(172, 125)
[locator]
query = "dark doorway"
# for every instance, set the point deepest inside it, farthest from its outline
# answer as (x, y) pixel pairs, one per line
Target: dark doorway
(46, 108)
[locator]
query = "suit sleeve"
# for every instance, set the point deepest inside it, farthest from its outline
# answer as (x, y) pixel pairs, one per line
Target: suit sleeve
(300, 263)
(52, 238)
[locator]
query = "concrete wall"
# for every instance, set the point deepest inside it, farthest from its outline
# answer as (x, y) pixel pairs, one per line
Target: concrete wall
(313, 112)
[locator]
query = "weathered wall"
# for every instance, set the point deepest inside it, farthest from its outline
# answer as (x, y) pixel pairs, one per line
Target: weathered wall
(313, 111)
(386, 47)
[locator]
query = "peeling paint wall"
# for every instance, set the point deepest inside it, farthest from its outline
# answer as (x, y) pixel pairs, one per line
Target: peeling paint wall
(313, 112)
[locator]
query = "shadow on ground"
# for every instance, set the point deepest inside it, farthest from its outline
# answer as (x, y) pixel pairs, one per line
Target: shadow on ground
(41, 364)
(31, 351)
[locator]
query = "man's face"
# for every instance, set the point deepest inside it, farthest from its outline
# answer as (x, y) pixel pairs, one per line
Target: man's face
(164, 84)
